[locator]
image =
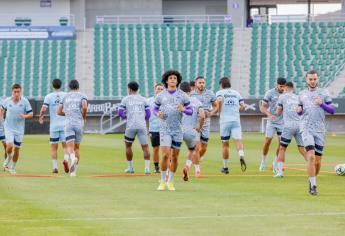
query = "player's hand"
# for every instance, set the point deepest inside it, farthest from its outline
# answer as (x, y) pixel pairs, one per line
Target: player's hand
(272, 117)
(40, 120)
(299, 109)
(181, 108)
(160, 115)
(198, 129)
(318, 101)
(208, 114)
(22, 116)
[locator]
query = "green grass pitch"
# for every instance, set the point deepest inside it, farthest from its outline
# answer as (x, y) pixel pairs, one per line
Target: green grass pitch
(102, 200)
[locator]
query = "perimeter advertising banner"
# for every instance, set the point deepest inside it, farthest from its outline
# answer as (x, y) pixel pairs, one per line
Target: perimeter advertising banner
(37, 32)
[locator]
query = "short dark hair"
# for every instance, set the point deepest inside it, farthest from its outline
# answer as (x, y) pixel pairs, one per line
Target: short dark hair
(16, 86)
(192, 83)
(168, 73)
(185, 87)
(56, 83)
(200, 77)
(289, 84)
(312, 72)
(73, 84)
(159, 84)
(133, 85)
(281, 81)
(225, 82)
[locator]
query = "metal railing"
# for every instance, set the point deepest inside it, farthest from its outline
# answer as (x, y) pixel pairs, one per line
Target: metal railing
(336, 17)
(160, 19)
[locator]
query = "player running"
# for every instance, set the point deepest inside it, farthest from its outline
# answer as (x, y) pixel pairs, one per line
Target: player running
(208, 99)
(154, 124)
(170, 104)
(313, 104)
(57, 123)
(136, 110)
(229, 105)
(191, 132)
(74, 107)
(16, 109)
(286, 106)
(274, 123)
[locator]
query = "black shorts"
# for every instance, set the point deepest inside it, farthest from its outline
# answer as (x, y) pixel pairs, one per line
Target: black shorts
(155, 140)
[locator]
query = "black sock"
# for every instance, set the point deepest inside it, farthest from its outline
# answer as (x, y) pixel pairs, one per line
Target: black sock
(156, 164)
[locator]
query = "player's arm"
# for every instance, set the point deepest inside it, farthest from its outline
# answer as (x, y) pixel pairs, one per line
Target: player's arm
(219, 103)
(28, 112)
(59, 110)
(242, 105)
(202, 116)
(42, 112)
(84, 109)
(279, 109)
(2, 113)
(325, 105)
(147, 112)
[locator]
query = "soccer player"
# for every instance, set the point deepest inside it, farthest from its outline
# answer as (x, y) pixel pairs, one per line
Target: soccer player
(286, 106)
(274, 123)
(313, 104)
(2, 132)
(229, 105)
(74, 107)
(57, 123)
(191, 132)
(208, 99)
(170, 104)
(136, 110)
(154, 124)
(17, 109)
(192, 85)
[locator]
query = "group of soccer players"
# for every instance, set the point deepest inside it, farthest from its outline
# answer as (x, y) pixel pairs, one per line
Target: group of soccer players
(67, 119)
(178, 112)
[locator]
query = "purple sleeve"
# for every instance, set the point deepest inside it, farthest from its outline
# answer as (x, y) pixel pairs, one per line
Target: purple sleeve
(147, 113)
(188, 111)
(155, 110)
(121, 112)
(328, 108)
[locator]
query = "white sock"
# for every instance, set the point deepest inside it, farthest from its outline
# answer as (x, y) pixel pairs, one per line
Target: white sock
(280, 166)
(13, 167)
(76, 167)
(197, 168)
(8, 159)
(264, 159)
(147, 164)
(130, 164)
(241, 153)
(72, 156)
(189, 163)
(55, 164)
(275, 159)
(225, 163)
(66, 157)
(312, 180)
(171, 176)
(163, 176)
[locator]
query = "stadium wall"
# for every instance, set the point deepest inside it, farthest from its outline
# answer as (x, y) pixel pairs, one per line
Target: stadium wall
(40, 16)
(194, 7)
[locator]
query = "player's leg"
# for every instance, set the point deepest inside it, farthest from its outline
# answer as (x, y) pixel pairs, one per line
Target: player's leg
(274, 162)
(196, 156)
(309, 144)
(155, 146)
(270, 130)
(189, 139)
(54, 141)
(236, 133)
(225, 134)
(204, 136)
(9, 149)
(176, 141)
(65, 153)
(142, 136)
(78, 137)
(319, 145)
(285, 140)
(299, 142)
(17, 143)
(4, 145)
(129, 139)
(70, 133)
(165, 145)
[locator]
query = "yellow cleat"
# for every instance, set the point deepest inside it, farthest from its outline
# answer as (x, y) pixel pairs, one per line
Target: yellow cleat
(171, 186)
(162, 186)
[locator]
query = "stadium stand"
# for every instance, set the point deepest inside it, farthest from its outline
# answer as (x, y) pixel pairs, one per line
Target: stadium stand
(142, 52)
(34, 63)
(291, 49)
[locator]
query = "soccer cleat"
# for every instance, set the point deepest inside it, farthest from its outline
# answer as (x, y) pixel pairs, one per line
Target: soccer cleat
(55, 171)
(198, 174)
(13, 171)
(185, 173)
(170, 186)
(147, 172)
(157, 171)
(6, 169)
(162, 186)
(129, 171)
(312, 190)
(73, 166)
(225, 170)
(262, 166)
(243, 164)
(279, 175)
(65, 166)
(73, 174)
